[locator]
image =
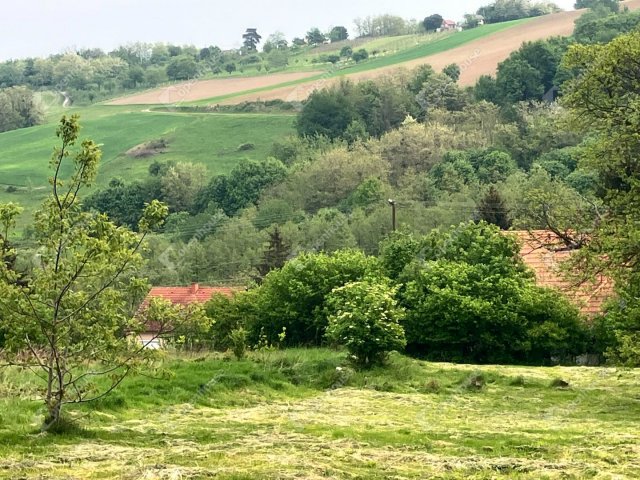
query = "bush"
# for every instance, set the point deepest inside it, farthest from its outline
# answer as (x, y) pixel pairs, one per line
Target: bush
(360, 55)
(619, 328)
(238, 339)
(364, 317)
(456, 312)
(478, 244)
(346, 51)
(227, 315)
(246, 147)
(555, 330)
(469, 298)
(293, 298)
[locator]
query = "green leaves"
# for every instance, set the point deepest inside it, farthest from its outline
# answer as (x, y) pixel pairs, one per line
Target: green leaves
(155, 213)
(8, 214)
(604, 98)
(365, 318)
(73, 316)
(68, 129)
(294, 297)
(469, 297)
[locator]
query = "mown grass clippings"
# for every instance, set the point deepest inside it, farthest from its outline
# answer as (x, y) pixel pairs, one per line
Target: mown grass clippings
(254, 422)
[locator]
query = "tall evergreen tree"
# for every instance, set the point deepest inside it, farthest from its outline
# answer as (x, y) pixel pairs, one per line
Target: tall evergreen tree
(276, 254)
(251, 39)
(493, 209)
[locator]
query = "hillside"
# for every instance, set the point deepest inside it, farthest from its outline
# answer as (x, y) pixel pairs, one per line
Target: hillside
(477, 51)
(212, 140)
(188, 92)
(476, 58)
(392, 51)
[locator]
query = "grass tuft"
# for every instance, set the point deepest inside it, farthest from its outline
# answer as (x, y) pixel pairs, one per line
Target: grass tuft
(559, 383)
(476, 382)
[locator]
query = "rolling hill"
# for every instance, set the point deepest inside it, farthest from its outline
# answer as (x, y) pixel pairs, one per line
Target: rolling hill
(477, 51)
(211, 139)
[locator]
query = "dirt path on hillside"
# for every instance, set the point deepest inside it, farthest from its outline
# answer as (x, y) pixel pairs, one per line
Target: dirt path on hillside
(477, 58)
(198, 90)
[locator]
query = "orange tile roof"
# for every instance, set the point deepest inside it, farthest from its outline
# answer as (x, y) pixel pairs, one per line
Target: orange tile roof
(183, 296)
(189, 295)
(543, 251)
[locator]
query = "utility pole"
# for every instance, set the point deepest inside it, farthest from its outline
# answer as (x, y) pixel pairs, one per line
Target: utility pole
(393, 214)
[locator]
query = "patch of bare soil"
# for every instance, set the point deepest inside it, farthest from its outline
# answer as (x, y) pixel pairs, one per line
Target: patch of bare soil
(203, 89)
(149, 149)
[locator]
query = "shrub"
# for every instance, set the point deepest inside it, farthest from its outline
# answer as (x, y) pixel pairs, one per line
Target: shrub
(238, 339)
(185, 327)
(293, 298)
(475, 382)
(619, 328)
(478, 244)
(360, 55)
(364, 317)
(459, 312)
(555, 330)
(227, 315)
(463, 312)
(397, 251)
(246, 147)
(346, 51)
(470, 298)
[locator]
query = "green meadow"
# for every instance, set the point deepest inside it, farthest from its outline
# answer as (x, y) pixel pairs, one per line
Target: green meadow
(306, 414)
(210, 139)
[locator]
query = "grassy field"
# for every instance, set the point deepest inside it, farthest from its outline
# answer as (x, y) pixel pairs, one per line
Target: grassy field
(306, 414)
(447, 42)
(387, 45)
(210, 139)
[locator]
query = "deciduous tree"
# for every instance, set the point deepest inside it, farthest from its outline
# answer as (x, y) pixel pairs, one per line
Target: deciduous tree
(71, 323)
(433, 22)
(338, 34)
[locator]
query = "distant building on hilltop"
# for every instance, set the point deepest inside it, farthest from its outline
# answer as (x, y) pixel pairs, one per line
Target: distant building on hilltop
(448, 25)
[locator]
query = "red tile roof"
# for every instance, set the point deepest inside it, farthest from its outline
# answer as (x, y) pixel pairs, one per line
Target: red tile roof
(189, 295)
(183, 296)
(543, 251)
